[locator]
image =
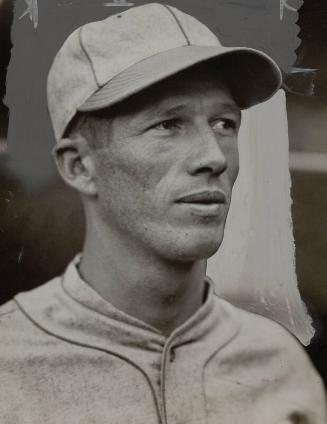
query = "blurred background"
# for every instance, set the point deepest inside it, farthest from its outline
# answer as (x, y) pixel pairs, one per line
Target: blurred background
(41, 221)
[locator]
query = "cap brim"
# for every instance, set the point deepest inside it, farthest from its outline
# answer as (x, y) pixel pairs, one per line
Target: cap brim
(251, 75)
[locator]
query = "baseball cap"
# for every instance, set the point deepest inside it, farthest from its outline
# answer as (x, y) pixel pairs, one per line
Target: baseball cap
(104, 62)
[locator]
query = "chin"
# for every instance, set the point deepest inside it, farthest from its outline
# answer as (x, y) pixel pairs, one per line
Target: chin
(196, 246)
(203, 250)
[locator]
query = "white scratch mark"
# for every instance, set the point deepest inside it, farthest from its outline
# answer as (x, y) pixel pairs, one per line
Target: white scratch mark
(303, 70)
(121, 3)
(20, 255)
(289, 309)
(32, 11)
(9, 196)
(283, 4)
(3, 142)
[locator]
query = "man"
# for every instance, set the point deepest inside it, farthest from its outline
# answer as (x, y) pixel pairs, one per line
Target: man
(145, 107)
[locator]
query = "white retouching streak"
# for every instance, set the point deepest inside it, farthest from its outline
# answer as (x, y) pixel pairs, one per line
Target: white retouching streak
(255, 266)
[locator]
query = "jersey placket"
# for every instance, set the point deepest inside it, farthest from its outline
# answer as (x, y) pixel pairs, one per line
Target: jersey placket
(181, 389)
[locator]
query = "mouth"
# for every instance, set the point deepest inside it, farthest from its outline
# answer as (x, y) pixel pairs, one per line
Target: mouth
(204, 198)
(206, 203)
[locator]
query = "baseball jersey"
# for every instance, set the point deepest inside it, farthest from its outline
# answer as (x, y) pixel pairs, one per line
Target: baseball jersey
(69, 356)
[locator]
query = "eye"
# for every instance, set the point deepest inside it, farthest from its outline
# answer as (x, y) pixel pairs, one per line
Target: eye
(224, 125)
(169, 124)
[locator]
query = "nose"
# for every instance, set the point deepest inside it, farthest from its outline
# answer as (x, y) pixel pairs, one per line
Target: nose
(208, 156)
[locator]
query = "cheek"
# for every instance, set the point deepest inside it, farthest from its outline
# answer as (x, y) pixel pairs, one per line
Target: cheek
(232, 157)
(129, 178)
(116, 177)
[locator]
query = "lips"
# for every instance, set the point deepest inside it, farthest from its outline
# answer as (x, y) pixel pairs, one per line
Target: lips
(204, 198)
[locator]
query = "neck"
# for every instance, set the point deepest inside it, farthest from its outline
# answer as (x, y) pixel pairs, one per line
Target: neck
(161, 293)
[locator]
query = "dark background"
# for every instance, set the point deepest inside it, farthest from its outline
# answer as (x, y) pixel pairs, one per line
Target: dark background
(41, 221)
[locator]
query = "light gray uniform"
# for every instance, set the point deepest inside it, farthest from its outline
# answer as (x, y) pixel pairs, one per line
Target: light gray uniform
(69, 356)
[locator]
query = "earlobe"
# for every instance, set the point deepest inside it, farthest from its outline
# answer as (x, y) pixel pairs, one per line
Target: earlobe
(75, 165)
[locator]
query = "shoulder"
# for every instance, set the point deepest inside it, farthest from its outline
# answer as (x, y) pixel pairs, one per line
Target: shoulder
(264, 349)
(17, 329)
(259, 331)
(11, 317)
(7, 309)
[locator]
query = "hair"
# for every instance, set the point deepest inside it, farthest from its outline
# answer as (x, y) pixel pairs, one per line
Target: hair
(89, 125)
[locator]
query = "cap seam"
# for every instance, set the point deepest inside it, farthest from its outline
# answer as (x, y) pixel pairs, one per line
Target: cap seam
(87, 56)
(107, 81)
(178, 23)
(144, 59)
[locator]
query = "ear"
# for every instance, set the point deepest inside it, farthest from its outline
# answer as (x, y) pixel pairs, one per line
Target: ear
(75, 165)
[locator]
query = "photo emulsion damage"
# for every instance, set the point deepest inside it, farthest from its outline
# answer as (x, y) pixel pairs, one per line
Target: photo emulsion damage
(148, 271)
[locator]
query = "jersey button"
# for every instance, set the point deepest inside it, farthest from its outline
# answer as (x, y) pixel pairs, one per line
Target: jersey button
(172, 355)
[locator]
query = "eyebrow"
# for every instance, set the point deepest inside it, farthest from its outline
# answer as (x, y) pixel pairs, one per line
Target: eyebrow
(162, 110)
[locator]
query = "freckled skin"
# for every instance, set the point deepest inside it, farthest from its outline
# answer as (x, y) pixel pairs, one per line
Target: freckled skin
(171, 140)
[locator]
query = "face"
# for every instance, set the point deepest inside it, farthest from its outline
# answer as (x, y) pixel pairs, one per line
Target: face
(167, 164)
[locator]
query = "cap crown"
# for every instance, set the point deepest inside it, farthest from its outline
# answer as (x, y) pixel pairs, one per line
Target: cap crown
(96, 52)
